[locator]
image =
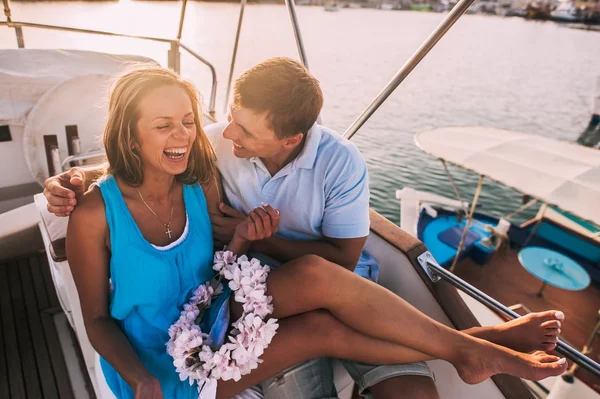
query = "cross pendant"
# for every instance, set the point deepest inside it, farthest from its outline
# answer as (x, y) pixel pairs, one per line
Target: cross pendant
(168, 231)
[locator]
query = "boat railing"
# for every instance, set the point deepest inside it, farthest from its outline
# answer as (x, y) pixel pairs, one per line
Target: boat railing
(461, 7)
(426, 260)
(81, 157)
(291, 8)
(436, 273)
(174, 56)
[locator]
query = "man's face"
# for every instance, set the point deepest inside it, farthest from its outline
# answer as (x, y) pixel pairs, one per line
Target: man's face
(251, 135)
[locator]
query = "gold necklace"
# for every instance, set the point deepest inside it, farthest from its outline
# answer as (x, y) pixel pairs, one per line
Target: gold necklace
(167, 225)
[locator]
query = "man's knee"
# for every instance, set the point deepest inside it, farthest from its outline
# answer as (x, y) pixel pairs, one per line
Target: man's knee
(406, 386)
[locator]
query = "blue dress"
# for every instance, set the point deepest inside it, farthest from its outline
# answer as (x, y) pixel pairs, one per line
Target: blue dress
(151, 284)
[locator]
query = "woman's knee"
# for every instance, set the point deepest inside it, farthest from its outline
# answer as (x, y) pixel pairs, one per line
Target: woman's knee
(323, 327)
(313, 269)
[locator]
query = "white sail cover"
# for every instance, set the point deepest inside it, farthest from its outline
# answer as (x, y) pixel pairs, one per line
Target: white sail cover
(556, 172)
(26, 74)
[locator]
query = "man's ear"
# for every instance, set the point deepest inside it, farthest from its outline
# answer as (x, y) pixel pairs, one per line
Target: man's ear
(294, 141)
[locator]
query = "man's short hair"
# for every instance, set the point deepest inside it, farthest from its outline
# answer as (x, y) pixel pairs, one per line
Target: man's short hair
(285, 90)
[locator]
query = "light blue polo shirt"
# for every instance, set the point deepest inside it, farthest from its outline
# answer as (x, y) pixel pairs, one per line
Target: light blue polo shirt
(323, 192)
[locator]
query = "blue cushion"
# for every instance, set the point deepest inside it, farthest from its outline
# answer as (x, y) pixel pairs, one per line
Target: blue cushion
(452, 237)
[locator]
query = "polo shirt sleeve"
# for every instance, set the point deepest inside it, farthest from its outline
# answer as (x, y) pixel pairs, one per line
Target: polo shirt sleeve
(346, 212)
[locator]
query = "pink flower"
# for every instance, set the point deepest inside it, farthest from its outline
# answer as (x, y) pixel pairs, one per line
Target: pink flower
(250, 334)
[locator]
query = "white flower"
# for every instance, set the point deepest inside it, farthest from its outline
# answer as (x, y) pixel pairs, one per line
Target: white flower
(231, 373)
(193, 358)
(269, 329)
(229, 257)
(256, 263)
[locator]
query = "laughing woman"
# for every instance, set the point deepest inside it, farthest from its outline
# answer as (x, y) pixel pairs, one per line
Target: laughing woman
(140, 242)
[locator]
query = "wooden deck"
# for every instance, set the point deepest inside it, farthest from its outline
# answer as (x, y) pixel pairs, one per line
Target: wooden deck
(507, 281)
(32, 364)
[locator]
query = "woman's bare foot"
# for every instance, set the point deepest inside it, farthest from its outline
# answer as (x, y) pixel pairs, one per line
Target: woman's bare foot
(493, 359)
(534, 331)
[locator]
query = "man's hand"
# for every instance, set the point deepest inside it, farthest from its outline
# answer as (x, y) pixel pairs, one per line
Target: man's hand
(62, 190)
(224, 226)
(261, 223)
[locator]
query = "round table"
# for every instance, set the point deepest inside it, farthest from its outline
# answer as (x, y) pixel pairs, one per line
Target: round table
(554, 268)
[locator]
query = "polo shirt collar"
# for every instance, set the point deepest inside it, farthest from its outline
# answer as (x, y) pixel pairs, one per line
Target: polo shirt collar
(307, 157)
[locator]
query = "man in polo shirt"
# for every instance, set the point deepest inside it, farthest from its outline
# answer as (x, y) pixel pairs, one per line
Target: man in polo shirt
(271, 151)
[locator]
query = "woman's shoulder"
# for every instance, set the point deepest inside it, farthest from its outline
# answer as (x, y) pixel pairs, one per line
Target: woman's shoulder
(90, 208)
(213, 193)
(88, 228)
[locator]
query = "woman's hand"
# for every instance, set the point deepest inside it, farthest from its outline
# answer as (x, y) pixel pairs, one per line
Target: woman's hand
(261, 223)
(148, 389)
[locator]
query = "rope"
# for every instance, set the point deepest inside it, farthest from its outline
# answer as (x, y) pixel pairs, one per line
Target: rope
(7, 11)
(468, 224)
(462, 203)
(536, 226)
(521, 209)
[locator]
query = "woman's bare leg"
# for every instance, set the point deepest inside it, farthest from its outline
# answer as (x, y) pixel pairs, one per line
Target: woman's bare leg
(319, 333)
(311, 283)
(312, 335)
(534, 331)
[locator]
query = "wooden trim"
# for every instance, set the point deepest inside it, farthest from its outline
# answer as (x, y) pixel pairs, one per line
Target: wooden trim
(27, 351)
(528, 223)
(4, 373)
(42, 357)
(32, 365)
(58, 250)
(391, 233)
(446, 295)
(13, 357)
(63, 383)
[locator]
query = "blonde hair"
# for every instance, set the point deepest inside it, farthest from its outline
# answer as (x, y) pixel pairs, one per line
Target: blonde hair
(120, 133)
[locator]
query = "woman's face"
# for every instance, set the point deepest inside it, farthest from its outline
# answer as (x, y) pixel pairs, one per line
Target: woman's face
(166, 129)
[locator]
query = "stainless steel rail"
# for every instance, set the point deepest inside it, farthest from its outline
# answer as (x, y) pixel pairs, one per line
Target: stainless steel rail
(15, 24)
(291, 6)
(234, 55)
(412, 62)
(436, 272)
(174, 43)
(80, 157)
(213, 71)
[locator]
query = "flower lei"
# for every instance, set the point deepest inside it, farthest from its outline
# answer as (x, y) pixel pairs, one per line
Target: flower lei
(194, 356)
